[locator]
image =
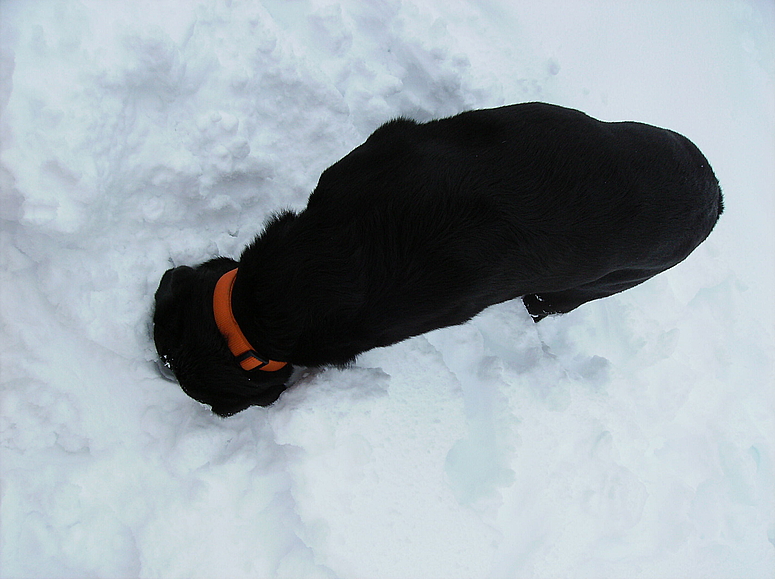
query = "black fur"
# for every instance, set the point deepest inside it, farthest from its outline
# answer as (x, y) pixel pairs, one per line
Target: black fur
(425, 225)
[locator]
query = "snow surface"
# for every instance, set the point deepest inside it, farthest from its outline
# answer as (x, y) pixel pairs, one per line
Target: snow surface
(633, 437)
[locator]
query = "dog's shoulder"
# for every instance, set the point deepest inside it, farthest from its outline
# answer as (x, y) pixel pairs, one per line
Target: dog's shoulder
(393, 131)
(388, 147)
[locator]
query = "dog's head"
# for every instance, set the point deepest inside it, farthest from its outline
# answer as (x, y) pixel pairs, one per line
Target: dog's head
(191, 346)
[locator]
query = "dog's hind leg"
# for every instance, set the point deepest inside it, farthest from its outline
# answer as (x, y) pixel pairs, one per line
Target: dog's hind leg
(545, 304)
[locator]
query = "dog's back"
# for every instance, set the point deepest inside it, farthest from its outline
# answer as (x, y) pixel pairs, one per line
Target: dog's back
(517, 200)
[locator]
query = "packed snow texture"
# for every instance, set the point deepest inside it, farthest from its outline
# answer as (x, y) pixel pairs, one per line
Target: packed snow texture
(633, 437)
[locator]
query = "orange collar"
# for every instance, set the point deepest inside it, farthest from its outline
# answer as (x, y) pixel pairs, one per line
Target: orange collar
(238, 343)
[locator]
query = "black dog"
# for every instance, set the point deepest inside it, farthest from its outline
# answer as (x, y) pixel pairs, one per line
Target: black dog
(425, 225)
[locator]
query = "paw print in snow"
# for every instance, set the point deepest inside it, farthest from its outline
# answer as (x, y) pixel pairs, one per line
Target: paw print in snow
(221, 145)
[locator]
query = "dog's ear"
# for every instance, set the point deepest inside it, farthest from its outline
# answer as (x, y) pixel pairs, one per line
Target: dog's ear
(228, 389)
(172, 279)
(228, 406)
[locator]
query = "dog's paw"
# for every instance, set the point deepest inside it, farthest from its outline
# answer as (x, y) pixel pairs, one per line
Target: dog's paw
(536, 307)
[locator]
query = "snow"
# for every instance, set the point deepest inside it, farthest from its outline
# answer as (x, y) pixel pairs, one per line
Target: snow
(634, 437)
